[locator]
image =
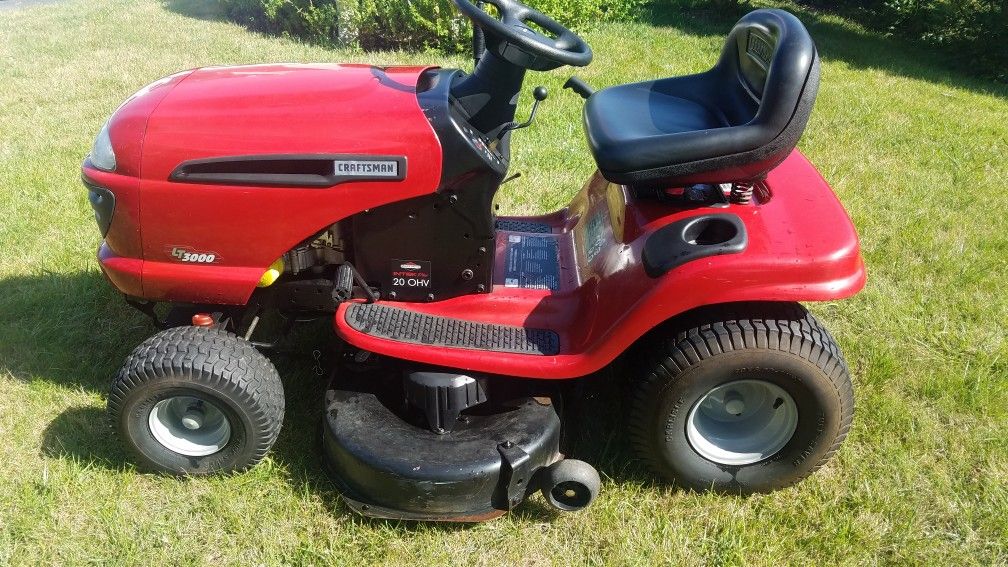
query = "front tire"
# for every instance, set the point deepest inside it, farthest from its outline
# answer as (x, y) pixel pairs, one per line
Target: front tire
(196, 401)
(742, 398)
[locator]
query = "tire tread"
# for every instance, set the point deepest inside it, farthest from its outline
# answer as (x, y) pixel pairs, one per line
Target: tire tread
(784, 327)
(214, 358)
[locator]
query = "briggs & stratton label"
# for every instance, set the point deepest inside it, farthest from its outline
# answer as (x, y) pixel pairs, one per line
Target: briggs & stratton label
(411, 274)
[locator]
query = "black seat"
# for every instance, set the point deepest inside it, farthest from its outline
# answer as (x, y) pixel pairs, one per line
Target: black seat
(733, 123)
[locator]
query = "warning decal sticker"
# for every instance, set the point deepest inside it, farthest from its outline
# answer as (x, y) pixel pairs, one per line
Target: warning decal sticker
(532, 262)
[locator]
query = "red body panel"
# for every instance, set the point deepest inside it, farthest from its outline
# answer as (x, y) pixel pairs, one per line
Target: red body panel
(801, 243)
(127, 128)
(802, 247)
(261, 109)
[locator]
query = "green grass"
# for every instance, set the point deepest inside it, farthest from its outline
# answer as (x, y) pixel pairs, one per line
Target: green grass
(916, 152)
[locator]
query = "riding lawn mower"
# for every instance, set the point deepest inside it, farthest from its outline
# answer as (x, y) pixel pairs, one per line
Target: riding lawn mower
(464, 338)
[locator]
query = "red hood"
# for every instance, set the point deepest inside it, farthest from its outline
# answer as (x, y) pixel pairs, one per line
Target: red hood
(289, 109)
(128, 124)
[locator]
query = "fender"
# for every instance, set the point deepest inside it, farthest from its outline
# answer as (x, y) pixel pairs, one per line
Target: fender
(802, 246)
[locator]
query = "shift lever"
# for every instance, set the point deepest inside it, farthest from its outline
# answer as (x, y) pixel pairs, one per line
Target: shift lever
(540, 93)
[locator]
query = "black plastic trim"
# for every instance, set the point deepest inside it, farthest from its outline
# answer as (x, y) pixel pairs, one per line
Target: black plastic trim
(518, 225)
(451, 230)
(686, 240)
(103, 202)
(442, 396)
(282, 170)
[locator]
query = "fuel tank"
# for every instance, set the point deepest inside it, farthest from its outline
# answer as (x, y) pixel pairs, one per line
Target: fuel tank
(240, 164)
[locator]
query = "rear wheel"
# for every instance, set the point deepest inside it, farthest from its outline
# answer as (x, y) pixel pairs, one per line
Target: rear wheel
(195, 400)
(741, 398)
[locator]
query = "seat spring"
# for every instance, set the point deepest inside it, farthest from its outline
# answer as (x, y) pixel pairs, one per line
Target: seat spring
(741, 192)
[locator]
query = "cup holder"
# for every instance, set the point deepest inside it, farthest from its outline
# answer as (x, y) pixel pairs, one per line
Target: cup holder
(691, 239)
(709, 231)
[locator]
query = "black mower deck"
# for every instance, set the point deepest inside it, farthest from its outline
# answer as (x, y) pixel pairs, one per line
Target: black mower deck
(406, 326)
(484, 467)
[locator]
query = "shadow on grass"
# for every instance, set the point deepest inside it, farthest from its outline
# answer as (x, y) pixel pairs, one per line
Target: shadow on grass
(70, 329)
(213, 12)
(199, 9)
(82, 434)
(73, 331)
(836, 41)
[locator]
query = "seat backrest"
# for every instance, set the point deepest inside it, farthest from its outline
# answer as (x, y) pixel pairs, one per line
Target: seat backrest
(771, 62)
(740, 119)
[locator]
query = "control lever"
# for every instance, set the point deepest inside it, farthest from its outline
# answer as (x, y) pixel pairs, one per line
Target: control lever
(540, 93)
(343, 284)
(578, 85)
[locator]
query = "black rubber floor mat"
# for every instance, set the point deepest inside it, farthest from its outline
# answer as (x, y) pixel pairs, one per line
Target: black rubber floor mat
(523, 226)
(407, 326)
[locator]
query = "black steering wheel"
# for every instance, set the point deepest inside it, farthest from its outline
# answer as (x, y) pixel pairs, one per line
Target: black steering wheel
(511, 38)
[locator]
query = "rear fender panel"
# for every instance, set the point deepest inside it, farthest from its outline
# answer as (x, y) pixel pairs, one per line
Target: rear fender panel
(801, 246)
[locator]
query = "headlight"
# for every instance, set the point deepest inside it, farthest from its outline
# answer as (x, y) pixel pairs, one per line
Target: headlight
(102, 156)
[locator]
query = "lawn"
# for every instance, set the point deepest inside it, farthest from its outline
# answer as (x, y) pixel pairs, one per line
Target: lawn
(916, 151)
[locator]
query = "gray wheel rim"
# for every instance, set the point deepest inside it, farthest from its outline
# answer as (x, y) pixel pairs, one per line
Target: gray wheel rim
(742, 422)
(189, 426)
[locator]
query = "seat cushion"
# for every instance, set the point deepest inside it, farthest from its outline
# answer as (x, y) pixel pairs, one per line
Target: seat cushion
(732, 123)
(633, 127)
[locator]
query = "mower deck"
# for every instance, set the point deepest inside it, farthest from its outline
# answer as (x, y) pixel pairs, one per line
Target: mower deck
(572, 289)
(484, 467)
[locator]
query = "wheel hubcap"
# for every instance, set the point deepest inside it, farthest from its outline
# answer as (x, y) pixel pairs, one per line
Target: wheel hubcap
(742, 422)
(189, 426)
(193, 419)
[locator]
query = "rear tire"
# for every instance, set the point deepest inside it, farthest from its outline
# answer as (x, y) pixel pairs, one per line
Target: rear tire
(742, 398)
(196, 401)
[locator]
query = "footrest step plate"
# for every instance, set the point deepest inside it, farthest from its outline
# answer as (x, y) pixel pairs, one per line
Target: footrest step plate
(406, 326)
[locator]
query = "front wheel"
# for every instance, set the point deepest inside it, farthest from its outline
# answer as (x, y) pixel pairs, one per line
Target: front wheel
(743, 398)
(196, 400)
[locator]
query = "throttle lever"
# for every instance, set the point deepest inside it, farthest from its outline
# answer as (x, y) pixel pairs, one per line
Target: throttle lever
(578, 85)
